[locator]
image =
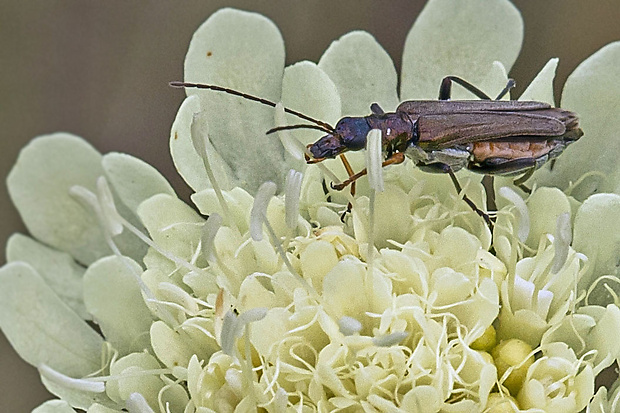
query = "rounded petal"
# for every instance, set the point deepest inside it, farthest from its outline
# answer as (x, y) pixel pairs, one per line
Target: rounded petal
(61, 273)
(187, 161)
(596, 233)
(306, 88)
(541, 88)
(459, 41)
(54, 406)
(363, 73)
(41, 328)
(592, 91)
(133, 179)
(113, 297)
(545, 205)
(242, 51)
(39, 187)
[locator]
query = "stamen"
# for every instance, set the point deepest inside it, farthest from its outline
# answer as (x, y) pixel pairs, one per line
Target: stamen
(293, 146)
(259, 209)
(199, 141)
(561, 241)
(66, 381)
(374, 160)
(229, 332)
(524, 217)
(232, 327)
(374, 167)
(136, 403)
(291, 198)
(389, 340)
(349, 325)
(207, 236)
(106, 200)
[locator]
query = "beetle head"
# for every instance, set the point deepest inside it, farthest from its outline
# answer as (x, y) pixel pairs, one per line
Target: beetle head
(349, 135)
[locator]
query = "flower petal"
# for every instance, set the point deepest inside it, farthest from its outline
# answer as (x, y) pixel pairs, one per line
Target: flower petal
(592, 91)
(362, 71)
(186, 160)
(133, 179)
(113, 297)
(39, 187)
(41, 328)
(596, 233)
(243, 51)
(541, 88)
(461, 40)
(61, 273)
(545, 205)
(306, 88)
(54, 406)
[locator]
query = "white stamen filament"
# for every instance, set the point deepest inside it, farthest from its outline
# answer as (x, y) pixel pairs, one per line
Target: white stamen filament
(259, 209)
(349, 325)
(291, 198)
(136, 403)
(228, 335)
(84, 385)
(207, 236)
(374, 167)
(561, 241)
(106, 200)
(524, 217)
(389, 340)
(374, 160)
(199, 141)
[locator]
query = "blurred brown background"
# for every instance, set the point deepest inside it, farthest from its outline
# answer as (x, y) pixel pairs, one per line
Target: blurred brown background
(101, 69)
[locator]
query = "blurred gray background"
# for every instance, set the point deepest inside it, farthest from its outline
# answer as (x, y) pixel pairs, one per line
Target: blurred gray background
(101, 70)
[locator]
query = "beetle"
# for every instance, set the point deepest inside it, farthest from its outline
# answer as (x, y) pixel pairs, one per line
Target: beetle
(488, 136)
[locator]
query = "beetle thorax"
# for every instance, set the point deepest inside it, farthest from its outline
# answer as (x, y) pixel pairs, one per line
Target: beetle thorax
(396, 128)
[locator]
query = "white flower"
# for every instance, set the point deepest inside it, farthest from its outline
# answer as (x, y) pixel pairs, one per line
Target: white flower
(273, 301)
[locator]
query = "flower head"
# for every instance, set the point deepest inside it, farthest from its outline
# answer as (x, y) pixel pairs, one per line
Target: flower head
(276, 302)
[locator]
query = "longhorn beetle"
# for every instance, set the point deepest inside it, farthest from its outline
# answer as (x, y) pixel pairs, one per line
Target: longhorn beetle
(443, 136)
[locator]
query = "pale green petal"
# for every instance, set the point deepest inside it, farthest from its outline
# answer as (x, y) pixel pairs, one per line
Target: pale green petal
(307, 89)
(113, 297)
(61, 273)
(54, 406)
(363, 73)
(460, 40)
(130, 380)
(541, 88)
(98, 408)
(545, 205)
(170, 346)
(243, 51)
(187, 161)
(77, 398)
(39, 187)
(172, 224)
(596, 233)
(133, 179)
(43, 329)
(593, 92)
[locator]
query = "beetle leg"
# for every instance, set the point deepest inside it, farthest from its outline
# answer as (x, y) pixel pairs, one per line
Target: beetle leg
(396, 158)
(519, 182)
(511, 83)
(472, 205)
(445, 90)
(376, 109)
(347, 167)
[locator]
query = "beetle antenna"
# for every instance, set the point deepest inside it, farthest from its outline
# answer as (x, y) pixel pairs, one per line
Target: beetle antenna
(325, 126)
(304, 126)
